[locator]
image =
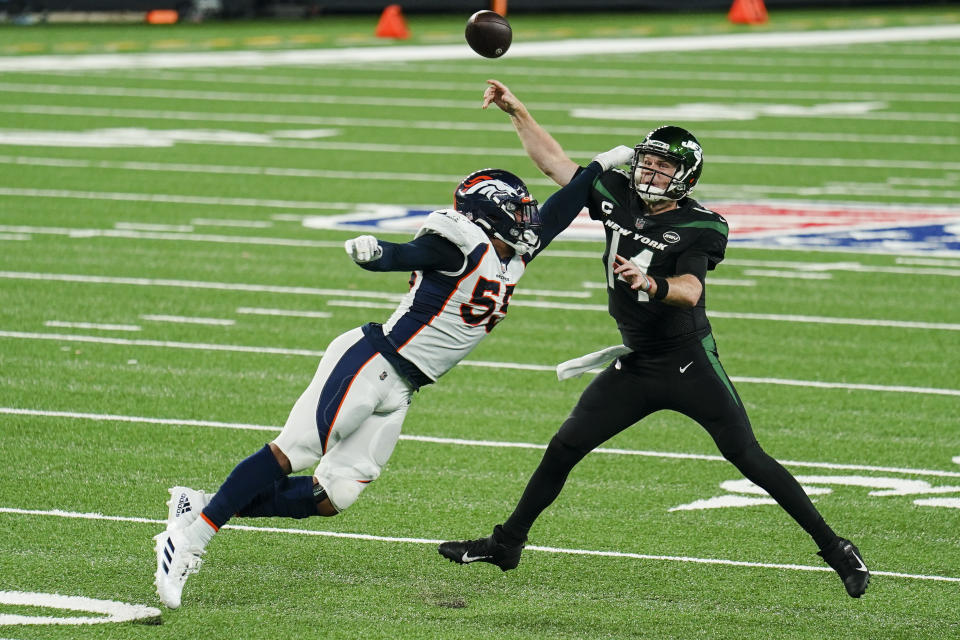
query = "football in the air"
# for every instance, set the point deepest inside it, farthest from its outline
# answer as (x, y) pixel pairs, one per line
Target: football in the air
(488, 33)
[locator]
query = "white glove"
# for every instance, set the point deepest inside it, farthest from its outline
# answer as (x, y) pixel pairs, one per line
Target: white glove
(615, 157)
(363, 249)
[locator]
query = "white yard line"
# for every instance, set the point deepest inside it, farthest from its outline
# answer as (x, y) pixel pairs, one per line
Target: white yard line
(57, 513)
(288, 313)
(219, 322)
(244, 224)
(287, 120)
(934, 270)
(81, 232)
(175, 167)
(261, 203)
(181, 237)
(716, 191)
(381, 295)
(666, 455)
(516, 366)
(820, 60)
(740, 92)
(194, 284)
(392, 102)
(555, 48)
(859, 322)
(608, 72)
(794, 275)
(60, 324)
(292, 172)
(358, 304)
(930, 262)
(233, 286)
(143, 226)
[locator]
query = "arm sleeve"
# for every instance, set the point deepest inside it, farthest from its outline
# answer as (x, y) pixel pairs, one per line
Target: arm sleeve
(429, 252)
(562, 207)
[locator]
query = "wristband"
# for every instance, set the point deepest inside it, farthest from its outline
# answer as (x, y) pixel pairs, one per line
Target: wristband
(647, 283)
(662, 288)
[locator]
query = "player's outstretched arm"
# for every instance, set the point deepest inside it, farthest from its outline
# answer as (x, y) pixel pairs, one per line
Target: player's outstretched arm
(545, 152)
(562, 207)
(429, 251)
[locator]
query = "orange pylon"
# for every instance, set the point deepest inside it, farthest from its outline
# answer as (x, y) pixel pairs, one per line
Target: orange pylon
(747, 12)
(392, 24)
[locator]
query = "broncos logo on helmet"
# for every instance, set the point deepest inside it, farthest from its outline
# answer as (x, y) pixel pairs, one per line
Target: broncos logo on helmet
(499, 203)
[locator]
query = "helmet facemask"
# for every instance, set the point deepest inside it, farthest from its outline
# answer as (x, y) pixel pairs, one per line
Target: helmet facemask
(675, 145)
(519, 226)
(646, 174)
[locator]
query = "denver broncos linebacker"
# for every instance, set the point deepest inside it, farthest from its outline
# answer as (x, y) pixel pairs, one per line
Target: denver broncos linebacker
(660, 244)
(465, 263)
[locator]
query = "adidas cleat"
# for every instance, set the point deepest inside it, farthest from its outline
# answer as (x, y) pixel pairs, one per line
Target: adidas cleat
(176, 560)
(184, 506)
(483, 550)
(846, 560)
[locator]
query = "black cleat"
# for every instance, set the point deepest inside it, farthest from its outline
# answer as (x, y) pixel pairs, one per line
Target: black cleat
(846, 560)
(486, 549)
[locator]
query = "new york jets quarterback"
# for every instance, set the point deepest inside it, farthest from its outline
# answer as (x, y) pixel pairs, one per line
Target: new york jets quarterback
(465, 264)
(660, 244)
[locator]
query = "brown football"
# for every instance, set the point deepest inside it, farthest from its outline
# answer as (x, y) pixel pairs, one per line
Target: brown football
(489, 34)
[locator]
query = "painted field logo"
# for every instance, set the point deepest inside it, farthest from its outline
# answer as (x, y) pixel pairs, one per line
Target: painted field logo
(105, 610)
(743, 493)
(890, 229)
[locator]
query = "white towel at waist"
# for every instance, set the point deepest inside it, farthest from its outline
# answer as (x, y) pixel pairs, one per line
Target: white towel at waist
(577, 366)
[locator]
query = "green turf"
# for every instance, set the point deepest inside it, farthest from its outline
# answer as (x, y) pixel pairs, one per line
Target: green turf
(425, 116)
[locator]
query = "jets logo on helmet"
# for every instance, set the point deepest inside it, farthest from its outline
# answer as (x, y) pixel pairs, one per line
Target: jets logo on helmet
(499, 203)
(678, 146)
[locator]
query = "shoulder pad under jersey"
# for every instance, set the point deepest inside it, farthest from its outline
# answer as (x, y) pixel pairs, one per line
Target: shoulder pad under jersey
(455, 227)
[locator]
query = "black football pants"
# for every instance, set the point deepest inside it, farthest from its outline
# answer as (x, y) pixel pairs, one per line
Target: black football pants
(689, 380)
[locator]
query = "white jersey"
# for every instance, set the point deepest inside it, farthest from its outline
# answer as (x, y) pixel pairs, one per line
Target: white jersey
(446, 314)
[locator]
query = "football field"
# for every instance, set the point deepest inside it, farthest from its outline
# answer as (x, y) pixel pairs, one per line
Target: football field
(173, 207)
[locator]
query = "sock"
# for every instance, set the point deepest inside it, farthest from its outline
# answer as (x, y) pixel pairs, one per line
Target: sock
(247, 480)
(290, 497)
(199, 532)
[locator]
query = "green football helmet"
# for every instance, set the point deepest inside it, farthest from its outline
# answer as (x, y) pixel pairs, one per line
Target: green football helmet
(677, 145)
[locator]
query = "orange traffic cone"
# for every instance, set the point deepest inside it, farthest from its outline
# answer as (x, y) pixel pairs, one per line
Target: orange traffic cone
(747, 12)
(392, 24)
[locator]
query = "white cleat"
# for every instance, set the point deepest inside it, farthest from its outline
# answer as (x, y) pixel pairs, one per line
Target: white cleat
(184, 506)
(176, 560)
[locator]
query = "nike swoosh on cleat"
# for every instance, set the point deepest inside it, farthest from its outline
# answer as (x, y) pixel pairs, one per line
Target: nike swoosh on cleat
(468, 558)
(684, 368)
(862, 566)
